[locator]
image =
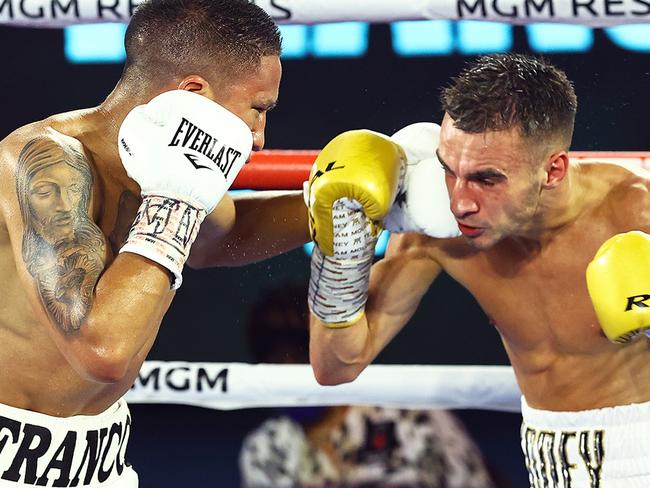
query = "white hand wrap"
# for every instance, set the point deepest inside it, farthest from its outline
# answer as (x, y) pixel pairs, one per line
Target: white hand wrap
(422, 202)
(184, 151)
(163, 231)
(338, 286)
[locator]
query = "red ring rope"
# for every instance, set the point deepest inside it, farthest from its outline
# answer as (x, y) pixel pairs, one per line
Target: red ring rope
(286, 169)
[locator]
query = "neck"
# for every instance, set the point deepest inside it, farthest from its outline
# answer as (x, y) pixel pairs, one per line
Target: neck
(558, 207)
(103, 123)
(114, 109)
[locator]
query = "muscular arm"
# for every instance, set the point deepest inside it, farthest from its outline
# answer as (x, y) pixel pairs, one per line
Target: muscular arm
(251, 227)
(101, 318)
(397, 284)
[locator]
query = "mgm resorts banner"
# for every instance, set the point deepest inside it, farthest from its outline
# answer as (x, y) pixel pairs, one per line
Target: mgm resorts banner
(227, 386)
(595, 13)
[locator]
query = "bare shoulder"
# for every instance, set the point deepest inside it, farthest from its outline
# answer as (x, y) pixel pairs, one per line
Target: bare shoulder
(32, 147)
(625, 192)
(39, 136)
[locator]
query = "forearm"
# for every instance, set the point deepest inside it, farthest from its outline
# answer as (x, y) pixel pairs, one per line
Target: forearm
(338, 355)
(129, 302)
(266, 224)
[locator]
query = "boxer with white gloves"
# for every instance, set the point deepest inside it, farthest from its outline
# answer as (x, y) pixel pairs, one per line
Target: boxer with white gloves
(100, 208)
(184, 151)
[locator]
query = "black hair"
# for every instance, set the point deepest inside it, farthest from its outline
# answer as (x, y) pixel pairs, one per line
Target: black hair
(167, 37)
(502, 91)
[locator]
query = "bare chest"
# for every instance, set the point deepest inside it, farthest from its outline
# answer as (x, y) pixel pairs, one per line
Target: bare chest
(540, 297)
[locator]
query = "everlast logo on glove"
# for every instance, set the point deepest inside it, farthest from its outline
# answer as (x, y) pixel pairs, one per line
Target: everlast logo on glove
(191, 136)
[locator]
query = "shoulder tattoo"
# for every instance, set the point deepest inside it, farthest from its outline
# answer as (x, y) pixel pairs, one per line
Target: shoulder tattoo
(63, 249)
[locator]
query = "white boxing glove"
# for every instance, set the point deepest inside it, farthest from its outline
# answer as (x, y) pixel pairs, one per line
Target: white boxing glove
(184, 151)
(422, 202)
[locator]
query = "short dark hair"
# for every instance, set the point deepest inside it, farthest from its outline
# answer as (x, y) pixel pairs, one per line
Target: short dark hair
(499, 92)
(168, 37)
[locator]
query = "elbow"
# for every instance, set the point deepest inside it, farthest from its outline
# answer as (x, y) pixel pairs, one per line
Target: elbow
(332, 376)
(101, 366)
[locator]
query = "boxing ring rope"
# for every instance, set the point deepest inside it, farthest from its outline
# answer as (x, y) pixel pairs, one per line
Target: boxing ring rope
(287, 169)
(228, 386)
(59, 13)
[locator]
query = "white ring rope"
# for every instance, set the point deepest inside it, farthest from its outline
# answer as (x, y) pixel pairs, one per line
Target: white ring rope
(595, 13)
(228, 386)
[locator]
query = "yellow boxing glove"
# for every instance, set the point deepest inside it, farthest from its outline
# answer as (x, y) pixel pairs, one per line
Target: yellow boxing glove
(351, 189)
(359, 165)
(618, 279)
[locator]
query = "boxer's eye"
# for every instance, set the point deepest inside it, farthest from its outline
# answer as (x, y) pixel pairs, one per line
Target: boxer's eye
(262, 108)
(488, 178)
(486, 182)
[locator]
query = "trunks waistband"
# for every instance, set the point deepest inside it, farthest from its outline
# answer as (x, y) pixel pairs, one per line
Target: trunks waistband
(81, 451)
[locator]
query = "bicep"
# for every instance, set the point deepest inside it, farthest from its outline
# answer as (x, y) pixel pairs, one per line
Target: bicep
(397, 284)
(59, 251)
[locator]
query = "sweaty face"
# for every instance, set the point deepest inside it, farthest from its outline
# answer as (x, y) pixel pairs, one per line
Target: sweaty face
(54, 196)
(253, 95)
(494, 183)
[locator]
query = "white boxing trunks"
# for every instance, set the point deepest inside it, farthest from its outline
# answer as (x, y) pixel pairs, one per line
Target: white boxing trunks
(82, 451)
(601, 448)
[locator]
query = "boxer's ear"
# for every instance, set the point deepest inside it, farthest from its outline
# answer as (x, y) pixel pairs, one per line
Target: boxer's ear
(196, 84)
(556, 167)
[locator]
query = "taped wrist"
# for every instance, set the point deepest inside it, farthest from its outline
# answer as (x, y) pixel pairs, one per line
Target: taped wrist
(163, 231)
(338, 286)
(338, 289)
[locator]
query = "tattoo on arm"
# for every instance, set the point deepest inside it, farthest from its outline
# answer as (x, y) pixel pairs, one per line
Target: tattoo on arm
(63, 249)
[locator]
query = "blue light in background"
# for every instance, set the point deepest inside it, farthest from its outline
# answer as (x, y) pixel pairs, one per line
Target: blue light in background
(94, 43)
(634, 37)
(341, 39)
(103, 43)
(294, 41)
(422, 37)
(380, 247)
(552, 38)
(477, 37)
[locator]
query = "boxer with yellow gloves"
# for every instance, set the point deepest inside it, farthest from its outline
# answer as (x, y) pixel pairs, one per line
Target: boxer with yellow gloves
(532, 220)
